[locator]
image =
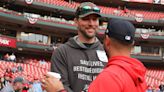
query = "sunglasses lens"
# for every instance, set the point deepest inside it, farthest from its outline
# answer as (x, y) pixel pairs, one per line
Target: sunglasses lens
(96, 9)
(86, 9)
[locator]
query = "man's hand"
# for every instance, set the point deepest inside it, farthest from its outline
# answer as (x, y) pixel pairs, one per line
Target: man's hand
(52, 84)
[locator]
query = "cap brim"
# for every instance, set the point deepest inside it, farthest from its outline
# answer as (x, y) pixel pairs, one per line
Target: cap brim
(89, 13)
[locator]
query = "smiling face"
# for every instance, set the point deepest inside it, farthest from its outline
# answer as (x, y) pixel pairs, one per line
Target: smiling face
(88, 26)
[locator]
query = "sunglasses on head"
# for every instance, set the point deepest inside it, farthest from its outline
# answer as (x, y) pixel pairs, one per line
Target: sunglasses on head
(86, 9)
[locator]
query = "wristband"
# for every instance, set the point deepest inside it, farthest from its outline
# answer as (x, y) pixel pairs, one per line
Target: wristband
(63, 90)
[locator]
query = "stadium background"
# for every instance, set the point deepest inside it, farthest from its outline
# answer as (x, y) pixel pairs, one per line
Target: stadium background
(32, 29)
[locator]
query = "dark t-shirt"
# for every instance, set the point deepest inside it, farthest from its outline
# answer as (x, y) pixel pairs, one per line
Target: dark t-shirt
(88, 44)
(161, 87)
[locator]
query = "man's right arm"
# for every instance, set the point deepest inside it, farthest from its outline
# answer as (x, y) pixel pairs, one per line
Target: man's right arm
(59, 65)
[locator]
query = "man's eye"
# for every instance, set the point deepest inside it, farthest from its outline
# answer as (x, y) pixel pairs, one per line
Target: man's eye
(85, 18)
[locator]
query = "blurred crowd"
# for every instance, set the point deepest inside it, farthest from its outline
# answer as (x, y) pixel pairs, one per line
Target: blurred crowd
(16, 77)
(19, 83)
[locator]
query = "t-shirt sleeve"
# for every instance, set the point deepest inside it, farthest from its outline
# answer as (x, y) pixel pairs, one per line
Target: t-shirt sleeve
(59, 65)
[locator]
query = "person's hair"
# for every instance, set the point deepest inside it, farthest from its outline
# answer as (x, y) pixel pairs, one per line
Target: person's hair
(123, 44)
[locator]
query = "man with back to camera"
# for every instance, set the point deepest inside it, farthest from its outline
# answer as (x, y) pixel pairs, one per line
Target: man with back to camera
(122, 73)
(81, 58)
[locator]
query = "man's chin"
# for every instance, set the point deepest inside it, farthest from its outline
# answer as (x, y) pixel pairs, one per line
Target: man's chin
(90, 36)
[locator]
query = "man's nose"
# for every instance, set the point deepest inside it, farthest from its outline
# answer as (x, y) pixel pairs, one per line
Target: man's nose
(91, 22)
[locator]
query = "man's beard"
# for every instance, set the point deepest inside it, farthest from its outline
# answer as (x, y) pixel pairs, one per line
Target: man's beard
(86, 35)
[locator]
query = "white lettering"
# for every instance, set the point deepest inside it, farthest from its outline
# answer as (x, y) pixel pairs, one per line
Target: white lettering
(84, 77)
(91, 63)
(94, 77)
(4, 41)
(87, 70)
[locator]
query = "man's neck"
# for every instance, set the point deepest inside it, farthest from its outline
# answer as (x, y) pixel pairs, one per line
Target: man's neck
(121, 52)
(86, 40)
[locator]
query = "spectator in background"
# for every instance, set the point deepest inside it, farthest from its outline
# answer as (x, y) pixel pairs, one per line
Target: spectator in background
(31, 87)
(118, 10)
(161, 87)
(7, 77)
(42, 61)
(82, 58)
(14, 69)
(20, 68)
(6, 57)
(70, 1)
(126, 10)
(37, 85)
(12, 57)
(25, 87)
(1, 82)
(149, 89)
(16, 86)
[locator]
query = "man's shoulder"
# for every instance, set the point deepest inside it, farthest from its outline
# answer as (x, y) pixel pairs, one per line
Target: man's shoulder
(115, 70)
(62, 47)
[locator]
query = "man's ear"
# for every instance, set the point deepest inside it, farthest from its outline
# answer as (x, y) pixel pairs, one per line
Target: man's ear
(75, 21)
(107, 41)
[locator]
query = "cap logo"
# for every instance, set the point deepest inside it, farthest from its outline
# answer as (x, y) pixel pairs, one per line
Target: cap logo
(29, 1)
(127, 38)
